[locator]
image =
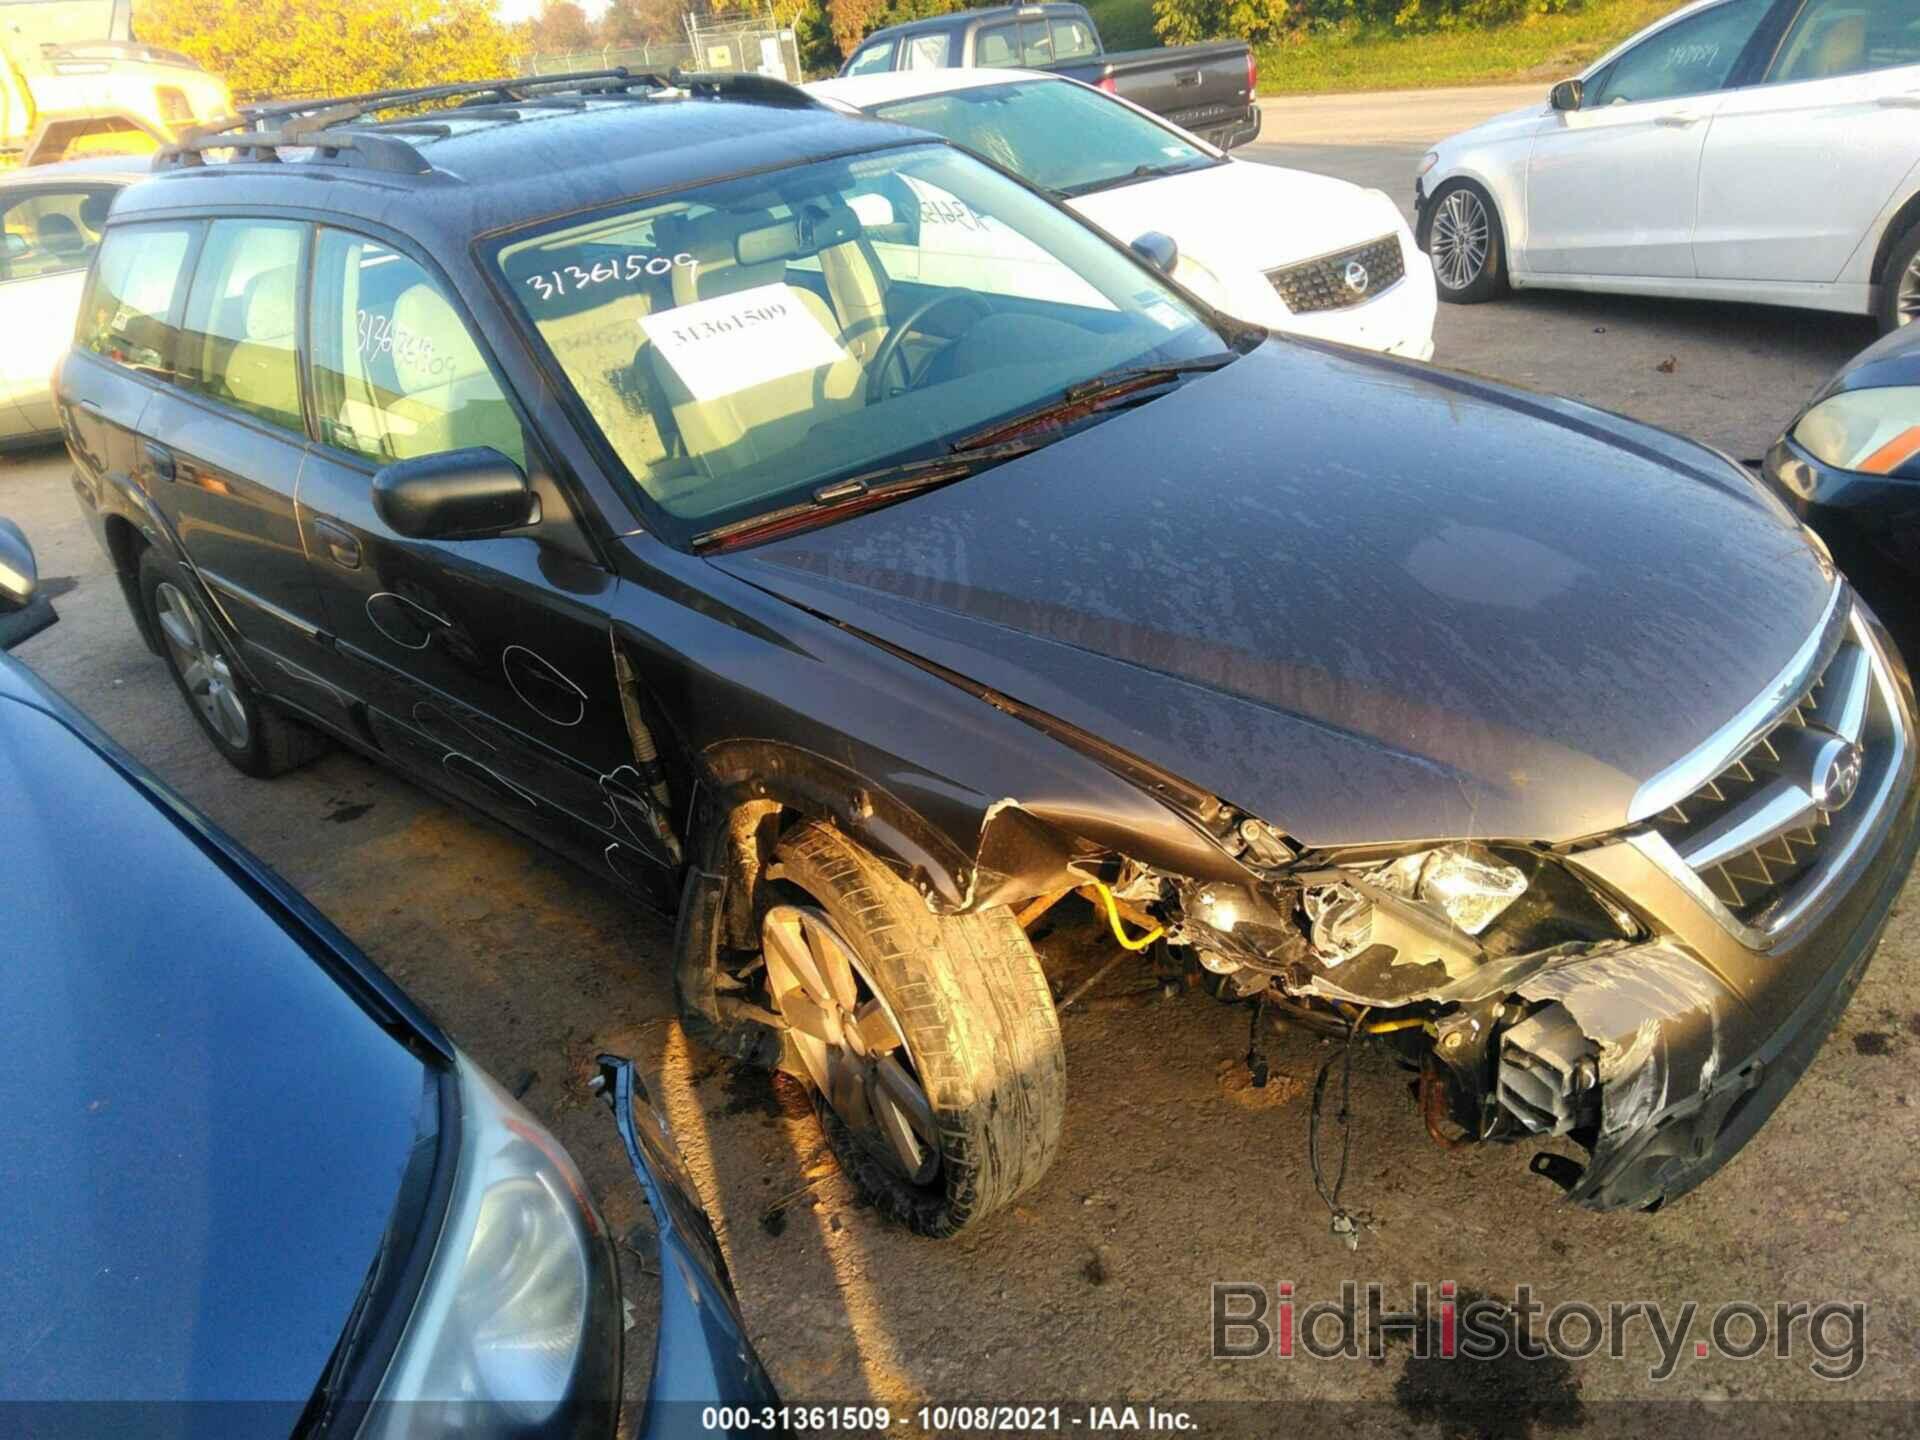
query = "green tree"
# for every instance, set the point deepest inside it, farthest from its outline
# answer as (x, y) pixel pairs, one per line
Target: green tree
(270, 49)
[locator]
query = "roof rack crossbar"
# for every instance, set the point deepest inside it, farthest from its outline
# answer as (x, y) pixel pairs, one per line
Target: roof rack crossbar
(259, 132)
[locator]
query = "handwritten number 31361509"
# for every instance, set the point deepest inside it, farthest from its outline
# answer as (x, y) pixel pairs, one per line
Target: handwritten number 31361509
(571, 279)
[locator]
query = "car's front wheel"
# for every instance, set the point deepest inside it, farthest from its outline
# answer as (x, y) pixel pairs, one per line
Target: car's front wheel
(930, 1041)
(1900, 291)
(255, 739)
(1460, 231)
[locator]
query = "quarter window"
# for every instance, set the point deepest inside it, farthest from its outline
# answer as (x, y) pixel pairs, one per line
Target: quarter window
(237, 343)
(49, 231)
(1848, 37)
(1694, 57)
(132, 302)
(396, 373)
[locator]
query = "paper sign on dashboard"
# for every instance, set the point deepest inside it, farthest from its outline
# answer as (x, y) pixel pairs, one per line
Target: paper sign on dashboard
(720, 347)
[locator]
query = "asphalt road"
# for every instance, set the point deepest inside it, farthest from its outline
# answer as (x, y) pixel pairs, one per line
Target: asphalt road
(1175, 1172)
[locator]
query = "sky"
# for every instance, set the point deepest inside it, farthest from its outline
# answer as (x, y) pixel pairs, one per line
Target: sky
(513, 11)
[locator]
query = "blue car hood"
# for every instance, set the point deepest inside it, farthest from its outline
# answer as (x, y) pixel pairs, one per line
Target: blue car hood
(204, 1133)
(1365, 600)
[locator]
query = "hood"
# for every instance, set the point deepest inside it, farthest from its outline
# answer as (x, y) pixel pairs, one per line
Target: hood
(1507, 125)
(205, 1133)
(1365, 600)
(1893, 359)
(1244, 215)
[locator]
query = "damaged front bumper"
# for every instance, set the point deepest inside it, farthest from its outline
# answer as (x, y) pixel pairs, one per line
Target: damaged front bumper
(1651, 995)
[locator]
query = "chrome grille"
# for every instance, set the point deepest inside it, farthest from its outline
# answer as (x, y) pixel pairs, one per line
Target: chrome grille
(1326, 283)
(1772, 828)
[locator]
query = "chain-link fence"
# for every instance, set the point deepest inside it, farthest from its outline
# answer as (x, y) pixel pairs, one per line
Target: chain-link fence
(754, 43)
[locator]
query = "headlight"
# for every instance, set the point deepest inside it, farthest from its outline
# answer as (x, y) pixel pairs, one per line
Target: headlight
(1472, 891)
(1874, 432)
(1427, 162)
(517, 1326)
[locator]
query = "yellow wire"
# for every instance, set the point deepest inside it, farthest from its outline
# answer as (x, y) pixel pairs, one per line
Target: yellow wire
(1384, 1027)
(1113, 919)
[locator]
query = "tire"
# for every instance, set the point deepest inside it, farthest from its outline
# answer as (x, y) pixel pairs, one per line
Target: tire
(1900, 286)
(1473, 267)
(253, 737)
(965, 997)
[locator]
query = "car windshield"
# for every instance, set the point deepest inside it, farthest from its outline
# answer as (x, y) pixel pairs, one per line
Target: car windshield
(740, 345)
(1057, 134)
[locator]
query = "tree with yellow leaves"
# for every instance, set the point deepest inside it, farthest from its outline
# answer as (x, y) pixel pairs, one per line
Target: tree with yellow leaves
(292, 49)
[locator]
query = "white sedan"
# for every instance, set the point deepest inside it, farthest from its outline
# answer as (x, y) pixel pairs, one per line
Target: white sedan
(1758, 150)
(50, 219)
(1281, 248)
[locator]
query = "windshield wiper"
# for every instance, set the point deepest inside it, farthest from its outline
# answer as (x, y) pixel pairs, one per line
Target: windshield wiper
(866, 491)
(1139, 172)
(1090, 397)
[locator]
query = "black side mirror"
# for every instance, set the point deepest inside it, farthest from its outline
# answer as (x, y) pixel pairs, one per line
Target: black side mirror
(1158, 249)
(456, 495)
(24, 611)
(1567, 95)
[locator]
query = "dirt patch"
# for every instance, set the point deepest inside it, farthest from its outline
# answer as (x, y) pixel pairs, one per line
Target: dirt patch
(1236, 1084)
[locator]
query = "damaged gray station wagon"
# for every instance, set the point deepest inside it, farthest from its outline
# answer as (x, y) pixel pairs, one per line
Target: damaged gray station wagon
(607, 452)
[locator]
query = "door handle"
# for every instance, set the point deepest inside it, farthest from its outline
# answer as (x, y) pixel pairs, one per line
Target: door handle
(160, 461)
(342, 546)
(1190, 78)
(1679, 119)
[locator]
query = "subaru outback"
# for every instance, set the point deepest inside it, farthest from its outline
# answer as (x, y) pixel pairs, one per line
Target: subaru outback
(605, 451)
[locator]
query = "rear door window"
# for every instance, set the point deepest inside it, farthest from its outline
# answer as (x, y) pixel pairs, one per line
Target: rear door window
(929, 52)
(237, 343)
(396, 372)
(50, 231)
(131, 312)
(1832, 38)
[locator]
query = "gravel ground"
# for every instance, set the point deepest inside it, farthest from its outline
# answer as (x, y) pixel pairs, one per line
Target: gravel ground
(1175, 1173)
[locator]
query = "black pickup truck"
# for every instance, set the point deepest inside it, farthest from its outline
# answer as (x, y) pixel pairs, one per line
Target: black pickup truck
(1208, 89)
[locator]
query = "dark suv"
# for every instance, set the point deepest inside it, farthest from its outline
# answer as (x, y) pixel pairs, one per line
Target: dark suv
(608, 452)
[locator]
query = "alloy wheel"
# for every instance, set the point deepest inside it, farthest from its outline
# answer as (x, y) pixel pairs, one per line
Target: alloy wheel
(203, 669)
(1906, 307)
(847, 1037)
(1460, 239)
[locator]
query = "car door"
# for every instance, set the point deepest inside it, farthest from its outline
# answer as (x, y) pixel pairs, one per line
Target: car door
(122, 346)
(485, 664)
(48, 234)
(1612, 188)
(221, 445)
(1798, 167)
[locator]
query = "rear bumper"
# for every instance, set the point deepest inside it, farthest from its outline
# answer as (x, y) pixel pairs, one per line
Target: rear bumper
(1243, 131)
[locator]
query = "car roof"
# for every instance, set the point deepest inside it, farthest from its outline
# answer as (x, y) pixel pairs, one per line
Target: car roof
(865, 91)
(483, 172)
(965, 17)
(112, 169)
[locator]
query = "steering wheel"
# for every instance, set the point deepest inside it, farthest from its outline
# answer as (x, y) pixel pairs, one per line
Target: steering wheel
(889, 350)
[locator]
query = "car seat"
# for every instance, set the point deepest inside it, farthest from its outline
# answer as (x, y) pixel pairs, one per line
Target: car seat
(259, 374)
(734, 252)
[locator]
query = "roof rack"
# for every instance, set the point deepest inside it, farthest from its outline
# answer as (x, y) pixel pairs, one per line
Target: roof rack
(326, 126)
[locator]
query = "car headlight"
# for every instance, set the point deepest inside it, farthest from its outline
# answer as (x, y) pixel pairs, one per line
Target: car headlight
(1427, 162)
(1873, 432)
(516, 1329)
